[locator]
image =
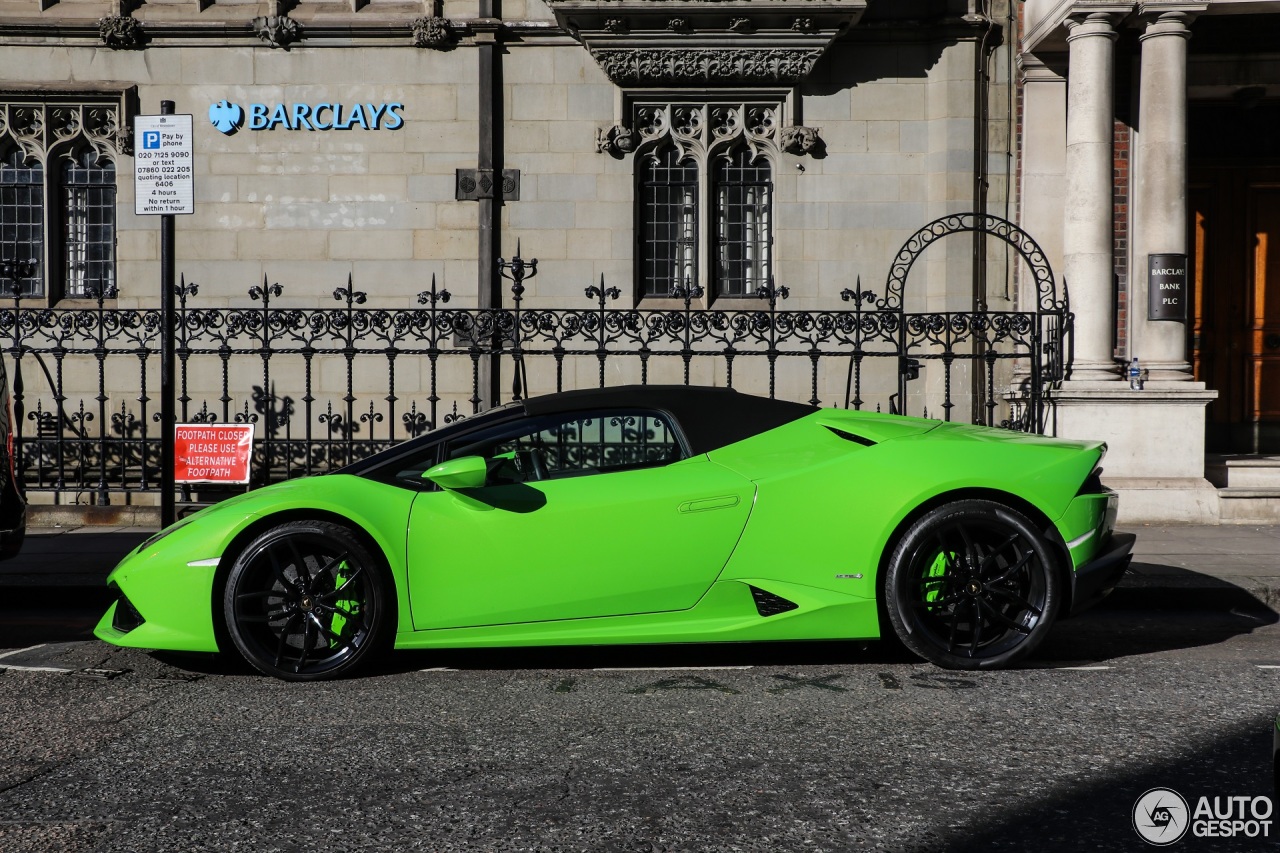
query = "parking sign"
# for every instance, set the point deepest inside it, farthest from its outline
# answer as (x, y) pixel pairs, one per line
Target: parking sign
(162, 175)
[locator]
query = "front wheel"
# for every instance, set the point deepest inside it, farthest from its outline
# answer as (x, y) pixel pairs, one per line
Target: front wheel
(972, 585)
(307, 601)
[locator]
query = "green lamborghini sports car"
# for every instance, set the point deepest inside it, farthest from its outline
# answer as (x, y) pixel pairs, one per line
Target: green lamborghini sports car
(644, 514)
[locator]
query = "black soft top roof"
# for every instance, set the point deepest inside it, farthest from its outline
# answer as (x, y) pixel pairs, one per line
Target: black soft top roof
(709, 417)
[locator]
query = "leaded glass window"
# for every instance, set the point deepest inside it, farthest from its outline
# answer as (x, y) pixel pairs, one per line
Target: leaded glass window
(669, 222)
(22, 220)
(58, 158)
(88, 220)
(743, 200)
(704, 176)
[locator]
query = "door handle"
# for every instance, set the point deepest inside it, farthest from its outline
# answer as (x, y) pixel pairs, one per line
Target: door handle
(704, 504)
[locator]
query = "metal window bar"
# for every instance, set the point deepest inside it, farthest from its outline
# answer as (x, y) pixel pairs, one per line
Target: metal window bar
(668, 229)
(743, 194)
(21, 224)
(88, 213)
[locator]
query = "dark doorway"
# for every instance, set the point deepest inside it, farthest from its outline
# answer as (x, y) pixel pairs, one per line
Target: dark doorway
(1234, 218)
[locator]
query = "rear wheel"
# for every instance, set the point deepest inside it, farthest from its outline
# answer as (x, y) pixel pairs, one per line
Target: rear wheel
(306, 601)
(972, 585)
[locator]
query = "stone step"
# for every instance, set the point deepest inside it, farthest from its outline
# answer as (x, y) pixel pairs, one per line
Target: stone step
(1249, 505)
(1243, 471)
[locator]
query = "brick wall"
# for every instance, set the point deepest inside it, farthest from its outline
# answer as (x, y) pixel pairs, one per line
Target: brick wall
(1120, 214)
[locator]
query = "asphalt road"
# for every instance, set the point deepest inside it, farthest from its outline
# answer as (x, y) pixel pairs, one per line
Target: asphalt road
(797, 747)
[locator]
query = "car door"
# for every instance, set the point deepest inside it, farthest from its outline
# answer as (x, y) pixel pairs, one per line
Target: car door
(583, 515)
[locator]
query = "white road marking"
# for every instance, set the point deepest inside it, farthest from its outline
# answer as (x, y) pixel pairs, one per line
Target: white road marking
(20, 651)
(664, 669)
(34, 668)
(1084, 668)
(438, 669)
(1267, 665)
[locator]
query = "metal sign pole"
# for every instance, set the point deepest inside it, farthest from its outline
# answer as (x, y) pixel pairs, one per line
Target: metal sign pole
(167, 400)
(163, 186)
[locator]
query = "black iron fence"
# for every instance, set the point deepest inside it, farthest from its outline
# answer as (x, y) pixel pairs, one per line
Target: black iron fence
(327, 385)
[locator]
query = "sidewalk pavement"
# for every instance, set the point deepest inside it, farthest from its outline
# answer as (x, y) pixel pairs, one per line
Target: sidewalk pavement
(1185, 558)
(1174, 561)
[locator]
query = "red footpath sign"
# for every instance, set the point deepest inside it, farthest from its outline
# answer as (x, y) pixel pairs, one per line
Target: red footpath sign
(212, 453)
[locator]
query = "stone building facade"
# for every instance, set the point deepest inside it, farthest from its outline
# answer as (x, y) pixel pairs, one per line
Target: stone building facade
(1150, 143)
(687, 154)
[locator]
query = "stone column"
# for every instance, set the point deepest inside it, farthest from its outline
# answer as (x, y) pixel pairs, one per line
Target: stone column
(1160, 186)
(1087, 212)
(1044, 164)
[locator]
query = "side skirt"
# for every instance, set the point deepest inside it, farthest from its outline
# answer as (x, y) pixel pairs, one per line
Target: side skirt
(727, 613)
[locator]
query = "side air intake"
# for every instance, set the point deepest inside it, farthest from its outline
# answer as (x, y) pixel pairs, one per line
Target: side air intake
(768, 604)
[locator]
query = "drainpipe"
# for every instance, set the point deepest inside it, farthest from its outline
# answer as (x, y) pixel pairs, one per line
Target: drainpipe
(489, 158)
(981, 82)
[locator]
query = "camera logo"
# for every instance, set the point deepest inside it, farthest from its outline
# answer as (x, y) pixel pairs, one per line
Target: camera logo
(1160, 817)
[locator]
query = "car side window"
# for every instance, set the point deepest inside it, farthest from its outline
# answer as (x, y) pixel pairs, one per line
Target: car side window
(574, 445)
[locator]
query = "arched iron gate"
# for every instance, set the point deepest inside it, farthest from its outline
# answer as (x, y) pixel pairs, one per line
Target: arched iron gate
(327, 385)
(1036, 337)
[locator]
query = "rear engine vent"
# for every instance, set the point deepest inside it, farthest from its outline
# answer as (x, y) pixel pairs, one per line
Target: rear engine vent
(848, 436)
(127, 616)
(768, 604)
(1093, 484)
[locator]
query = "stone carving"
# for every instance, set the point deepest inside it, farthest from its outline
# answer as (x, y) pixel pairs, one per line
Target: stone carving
(679, 25)
(616, 140)
(803, 25)
(37, 128)
(434, 32)
(799, 139)
(120, 32)
(277, 30)
(742, 25)
(630, 67)
(616, 26)
(702, 129)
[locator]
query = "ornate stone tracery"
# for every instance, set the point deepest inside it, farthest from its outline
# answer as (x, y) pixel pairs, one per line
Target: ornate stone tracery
(664, 42)
(42, 129)
(703, 130)
(638, 67)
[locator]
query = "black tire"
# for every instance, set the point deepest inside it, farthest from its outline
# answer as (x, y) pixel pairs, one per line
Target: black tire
(972, 585)
(306, 601)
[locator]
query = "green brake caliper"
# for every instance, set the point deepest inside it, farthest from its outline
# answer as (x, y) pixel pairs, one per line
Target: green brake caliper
(350, 605)
(937, 570)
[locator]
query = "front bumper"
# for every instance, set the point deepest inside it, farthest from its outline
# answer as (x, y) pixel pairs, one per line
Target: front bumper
(1093, 581)
(162, 603)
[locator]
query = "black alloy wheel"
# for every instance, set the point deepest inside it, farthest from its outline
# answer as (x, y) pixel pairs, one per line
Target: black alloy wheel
(306, 601)
(972, 585)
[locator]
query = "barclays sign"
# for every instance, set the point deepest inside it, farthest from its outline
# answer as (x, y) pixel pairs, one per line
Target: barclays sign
(229, 117)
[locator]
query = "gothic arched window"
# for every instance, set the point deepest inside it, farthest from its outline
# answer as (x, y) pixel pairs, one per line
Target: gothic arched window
(21, 222)
(58, 156)
(669, 222)
(743, 193)
(705, 197)
(88, 223)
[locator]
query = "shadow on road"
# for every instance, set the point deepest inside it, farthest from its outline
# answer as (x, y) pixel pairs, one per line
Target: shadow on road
(1133, 621)
(1098, 815)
